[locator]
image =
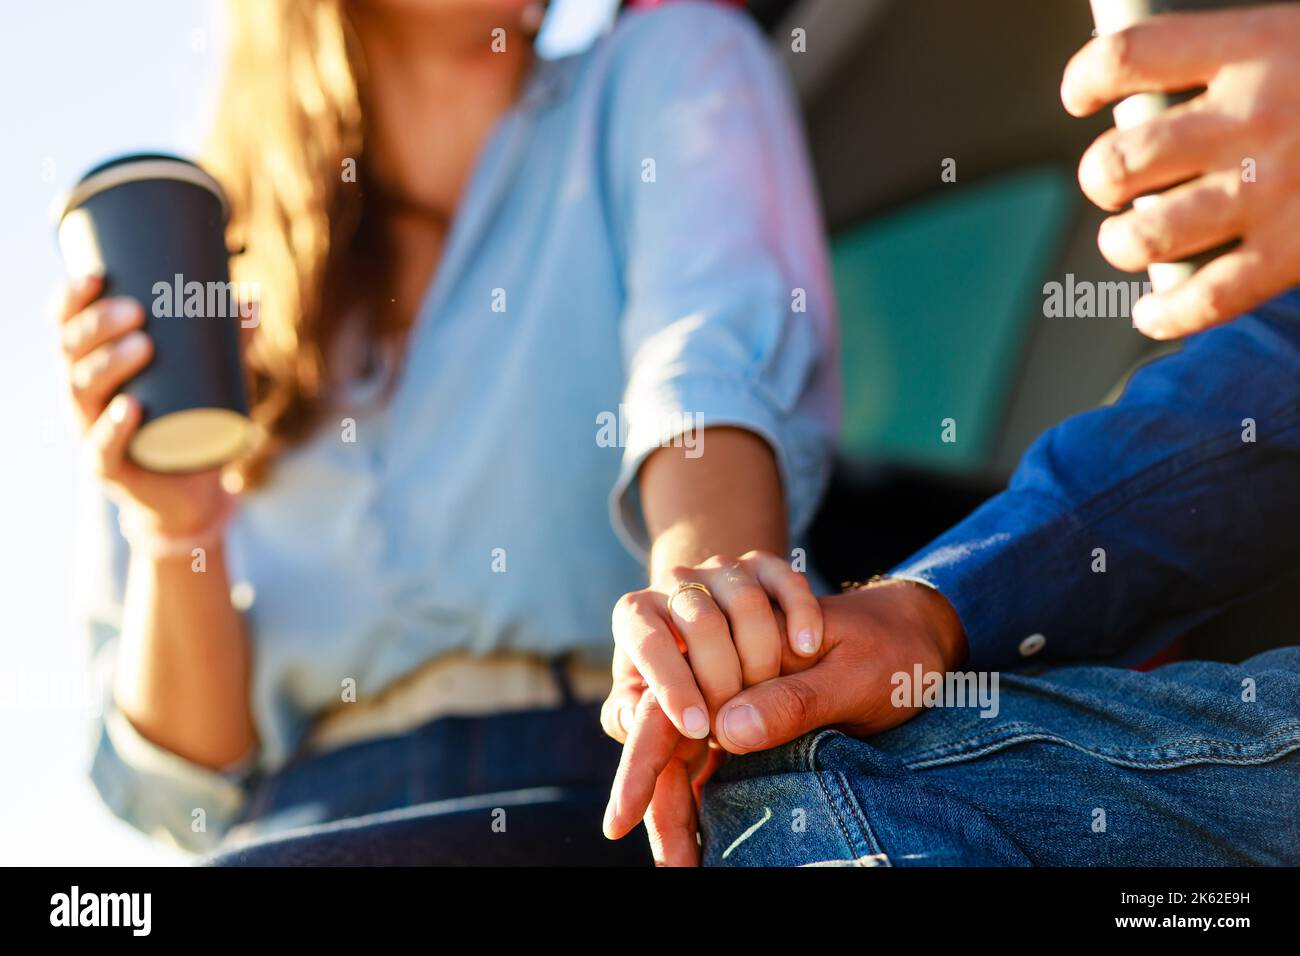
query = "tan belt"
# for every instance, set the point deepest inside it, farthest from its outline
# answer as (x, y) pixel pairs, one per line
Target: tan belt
(460, 685)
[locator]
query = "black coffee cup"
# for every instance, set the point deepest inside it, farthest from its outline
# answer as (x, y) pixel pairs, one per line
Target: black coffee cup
(1111, 16)
(154, 226)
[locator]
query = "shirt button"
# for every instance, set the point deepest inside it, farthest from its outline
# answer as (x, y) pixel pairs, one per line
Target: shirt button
(1031, 645)
(242, 595)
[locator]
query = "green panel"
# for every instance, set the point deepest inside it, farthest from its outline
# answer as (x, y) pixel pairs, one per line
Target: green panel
(935, 306)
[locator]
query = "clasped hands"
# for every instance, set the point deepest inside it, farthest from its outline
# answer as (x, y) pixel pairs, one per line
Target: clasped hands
(751, 660)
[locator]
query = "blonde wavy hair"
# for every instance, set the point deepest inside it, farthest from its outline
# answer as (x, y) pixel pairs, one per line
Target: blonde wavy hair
(288, 125)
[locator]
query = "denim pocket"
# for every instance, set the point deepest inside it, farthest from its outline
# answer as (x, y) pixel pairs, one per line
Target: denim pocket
(778, 808)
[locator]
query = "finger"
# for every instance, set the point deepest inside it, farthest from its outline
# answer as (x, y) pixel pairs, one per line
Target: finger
(750, 621)
(1221, 290)
(651, 743)
(712, 758)
(714, 659)
(73, 296)
(641, 629)
(803, 615)
(110, 434)
(250, 317)
(1188, 219)
(671, 821)
(98, 324)
(1166, 53)
(781, 709)
(98, 374)
(617, 711)
(1180, 143)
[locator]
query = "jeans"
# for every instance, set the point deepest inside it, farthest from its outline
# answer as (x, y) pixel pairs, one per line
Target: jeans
(1190, 764)
(526, 788)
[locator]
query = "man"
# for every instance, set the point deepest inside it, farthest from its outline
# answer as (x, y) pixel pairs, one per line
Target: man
(1122, 528)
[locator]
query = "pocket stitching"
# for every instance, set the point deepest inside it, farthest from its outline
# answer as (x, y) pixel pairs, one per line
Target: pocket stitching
(869, 842)
(1280, 749)
(868, 835)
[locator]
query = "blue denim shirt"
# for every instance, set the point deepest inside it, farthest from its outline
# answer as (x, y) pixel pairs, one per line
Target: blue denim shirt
(639, 249)
(1125, 526)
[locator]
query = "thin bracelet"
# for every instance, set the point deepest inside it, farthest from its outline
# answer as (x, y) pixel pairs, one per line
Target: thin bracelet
(878, 579)
(149, 543)
(871, 582)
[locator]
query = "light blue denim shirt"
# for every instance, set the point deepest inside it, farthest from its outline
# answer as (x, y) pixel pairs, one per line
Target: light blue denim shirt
(640, 247)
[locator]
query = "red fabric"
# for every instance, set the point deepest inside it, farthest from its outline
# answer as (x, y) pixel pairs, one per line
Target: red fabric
(1173, 652)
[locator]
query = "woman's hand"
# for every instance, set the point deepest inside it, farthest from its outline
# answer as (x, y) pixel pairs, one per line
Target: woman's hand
(182, 666)
(726, 628)
(1231, 154)
(103, 346)
(870, 635)
(682, 652)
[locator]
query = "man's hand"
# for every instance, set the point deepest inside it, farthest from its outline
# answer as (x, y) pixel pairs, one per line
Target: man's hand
(869, 635)
(1231, 154)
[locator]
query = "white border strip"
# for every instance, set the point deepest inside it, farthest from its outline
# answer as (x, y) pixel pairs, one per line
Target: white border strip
(137, 170)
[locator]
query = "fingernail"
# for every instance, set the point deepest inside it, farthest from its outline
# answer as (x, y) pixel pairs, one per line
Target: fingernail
(1147, 313)
(611, 811)
(696, 722)
(1098, 166)
(118, 408)
(124, 310)
(134, 345)
(806, 641)
(625, 719)
(742, 726)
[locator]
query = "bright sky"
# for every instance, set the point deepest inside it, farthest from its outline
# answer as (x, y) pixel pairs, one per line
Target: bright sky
(82, 82)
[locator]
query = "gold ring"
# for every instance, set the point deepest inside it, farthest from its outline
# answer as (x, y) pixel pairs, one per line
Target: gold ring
(687, 586)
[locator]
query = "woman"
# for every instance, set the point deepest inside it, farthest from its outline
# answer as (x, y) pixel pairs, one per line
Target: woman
(523, 325)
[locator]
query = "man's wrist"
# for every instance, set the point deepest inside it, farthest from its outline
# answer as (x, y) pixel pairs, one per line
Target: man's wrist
(936, 614)
(946, 625)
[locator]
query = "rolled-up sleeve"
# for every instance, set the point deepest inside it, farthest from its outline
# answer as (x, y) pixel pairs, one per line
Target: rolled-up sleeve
(729, 318)
(158, 792)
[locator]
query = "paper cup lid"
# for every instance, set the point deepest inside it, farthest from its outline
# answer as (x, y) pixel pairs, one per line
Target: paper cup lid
(139, 166)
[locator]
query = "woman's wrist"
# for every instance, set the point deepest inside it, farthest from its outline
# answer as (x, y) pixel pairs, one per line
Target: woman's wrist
(149, 538)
